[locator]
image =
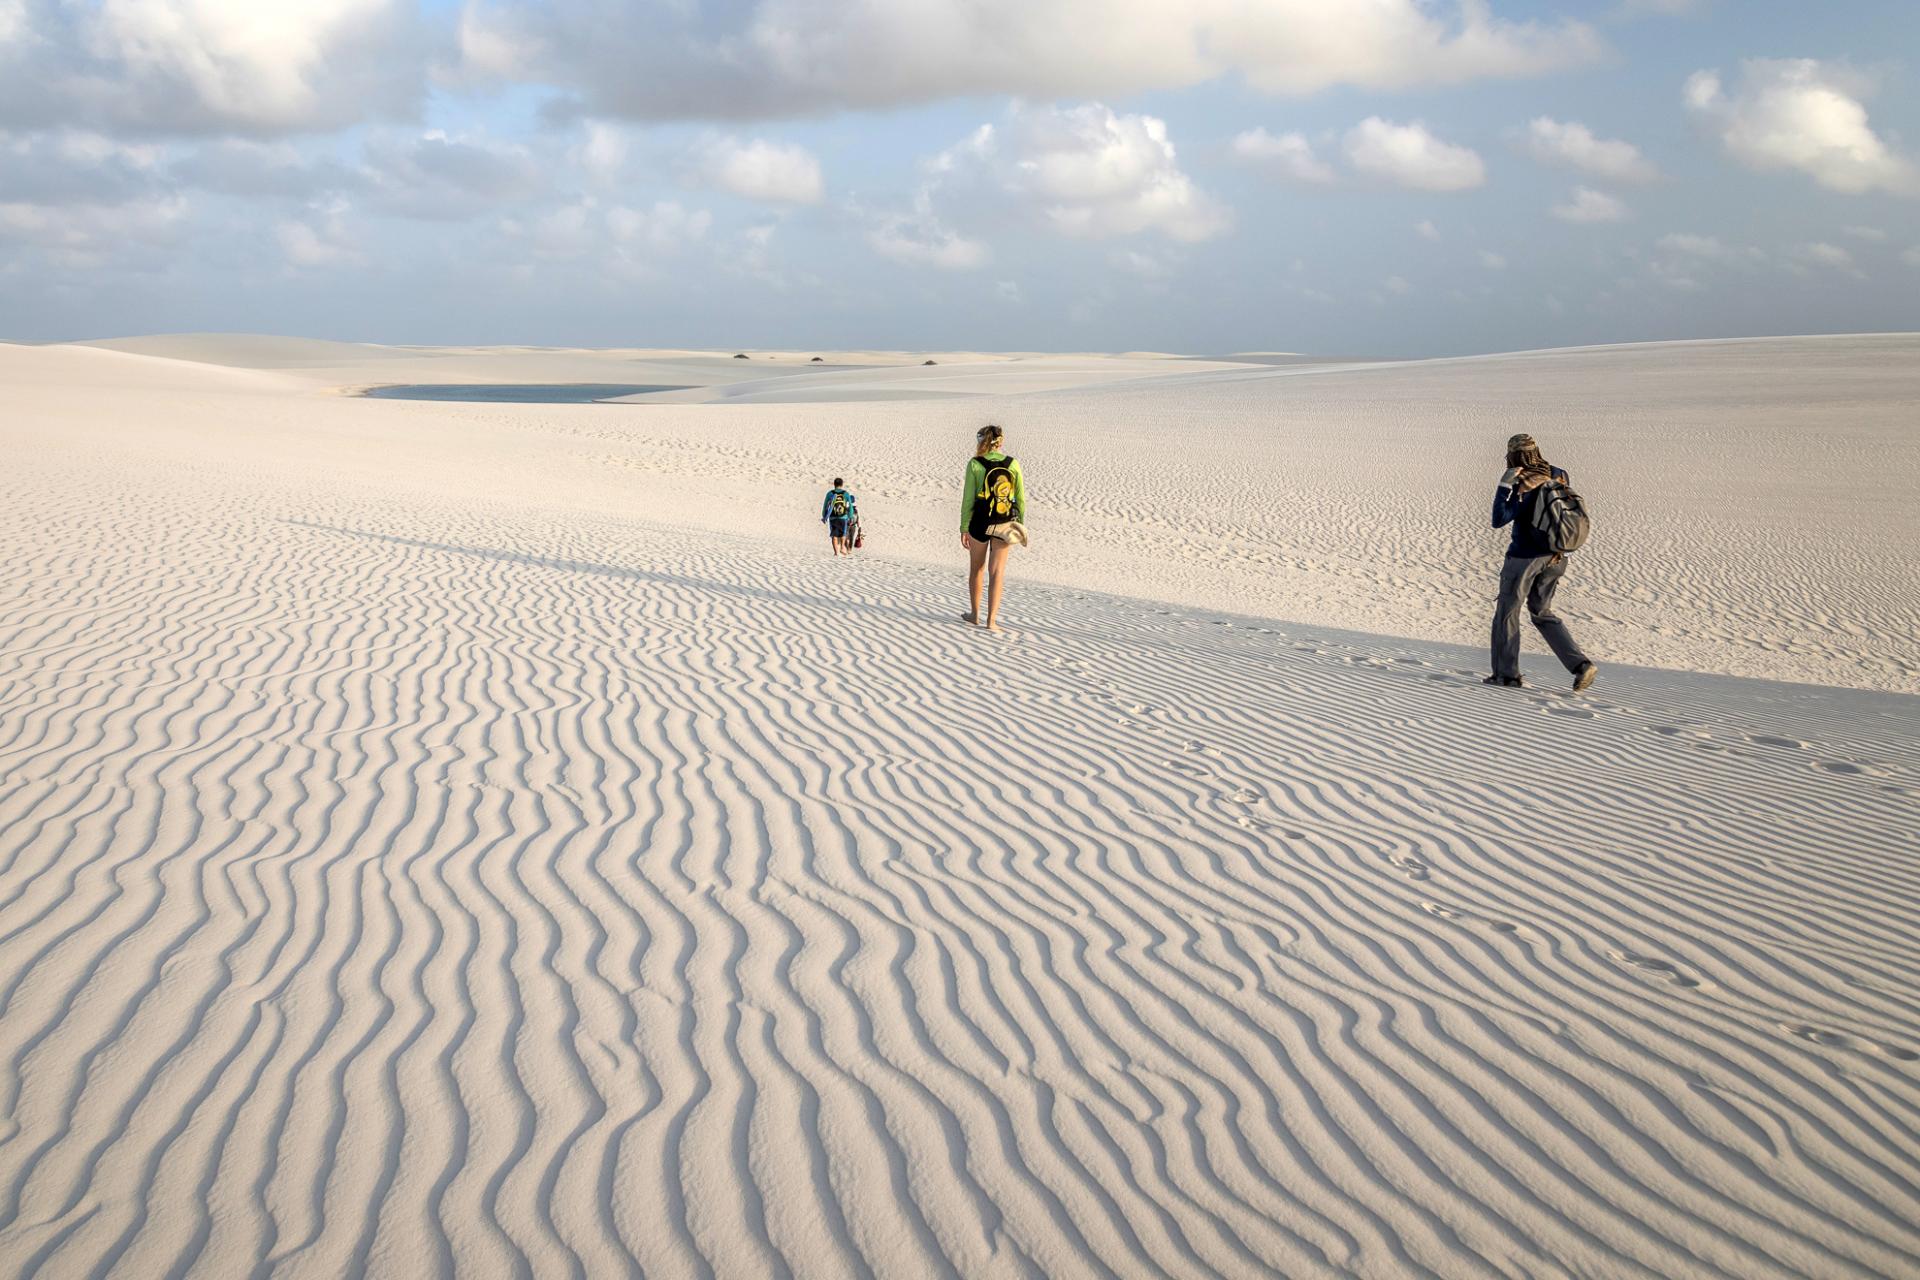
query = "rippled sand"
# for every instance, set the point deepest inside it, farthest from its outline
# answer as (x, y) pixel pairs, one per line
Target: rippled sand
(497, 840)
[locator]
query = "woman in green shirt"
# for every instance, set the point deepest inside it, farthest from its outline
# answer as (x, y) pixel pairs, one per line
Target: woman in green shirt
(992, 493)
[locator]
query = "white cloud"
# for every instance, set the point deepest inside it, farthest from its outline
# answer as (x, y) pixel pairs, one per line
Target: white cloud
(977, 147)
(1672, 274)
(921, 239)
(214, 66)
(1145, 265)
(1912, 256)
(762, 170)
(263, 170)
(1008, 291)
(1695, 246)
(753, 255)
(75, 167)
(1589, 206)
(623, 236)
(86, 235)
(1288, 154)
(1426, 230)
(601, 153)
(765, 58)
(665, 227)
(434, 175)
(319, 242)
(1493, 261)
(1409, 155)
(13, 22)
(1084, 171)
(1397, 284)
(1571, 144)
(1830, 256)
(1802, 114)
(1873, 235)
(1099, 174)
(1680, 258)
(493, 49)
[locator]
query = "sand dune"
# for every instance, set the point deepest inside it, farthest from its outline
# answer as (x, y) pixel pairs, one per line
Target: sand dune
(763, 377)
(1751, 496)
(428, 847)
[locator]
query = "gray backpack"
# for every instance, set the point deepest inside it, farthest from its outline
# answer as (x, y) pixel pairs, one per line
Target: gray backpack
(1561, 517)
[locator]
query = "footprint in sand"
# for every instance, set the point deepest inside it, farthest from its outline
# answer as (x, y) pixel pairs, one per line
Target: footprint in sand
(1461, 917)
(1841, 1040)
(1791, 744)
(1655, 967)
(1853, 768)
(1411, 868)
(1579, 713)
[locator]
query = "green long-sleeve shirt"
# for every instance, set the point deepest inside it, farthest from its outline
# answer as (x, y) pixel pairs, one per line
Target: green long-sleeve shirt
(976, 480)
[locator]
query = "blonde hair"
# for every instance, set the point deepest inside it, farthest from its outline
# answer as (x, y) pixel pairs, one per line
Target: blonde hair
(989, 437)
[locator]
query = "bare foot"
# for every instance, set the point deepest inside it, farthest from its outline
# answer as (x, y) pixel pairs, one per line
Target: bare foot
(970, 618)
(995, 627)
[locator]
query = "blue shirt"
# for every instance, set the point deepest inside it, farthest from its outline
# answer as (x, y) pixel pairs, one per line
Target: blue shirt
(1510, 508)
(826, 508)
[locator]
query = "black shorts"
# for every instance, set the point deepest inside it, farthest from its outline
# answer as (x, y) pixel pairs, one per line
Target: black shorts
(838, 528)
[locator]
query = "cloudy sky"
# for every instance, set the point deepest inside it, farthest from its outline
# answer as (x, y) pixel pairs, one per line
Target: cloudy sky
(1391, 177)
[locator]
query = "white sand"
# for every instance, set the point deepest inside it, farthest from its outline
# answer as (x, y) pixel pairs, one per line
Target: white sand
(496, 839)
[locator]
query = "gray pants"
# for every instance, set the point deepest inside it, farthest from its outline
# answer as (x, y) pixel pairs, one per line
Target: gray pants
(1531, 581)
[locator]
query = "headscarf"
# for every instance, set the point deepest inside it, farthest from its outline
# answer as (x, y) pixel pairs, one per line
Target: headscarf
(1524, 456)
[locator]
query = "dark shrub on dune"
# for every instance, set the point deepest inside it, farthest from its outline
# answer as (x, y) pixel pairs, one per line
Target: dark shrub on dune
(925, 363)
(739, 355)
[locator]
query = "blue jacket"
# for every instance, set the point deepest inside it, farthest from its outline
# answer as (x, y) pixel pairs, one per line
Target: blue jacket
(826, 508)
(1514, 509)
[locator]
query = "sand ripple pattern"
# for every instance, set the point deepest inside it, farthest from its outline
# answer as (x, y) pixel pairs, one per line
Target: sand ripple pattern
(404, 891)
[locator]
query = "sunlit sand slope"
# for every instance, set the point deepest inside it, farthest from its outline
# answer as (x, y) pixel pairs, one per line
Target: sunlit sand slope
(411, 871)
(1752, 501)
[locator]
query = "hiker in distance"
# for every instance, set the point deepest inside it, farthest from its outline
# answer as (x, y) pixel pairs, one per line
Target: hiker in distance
(1549, 521)
(838, 514)
(993, 503)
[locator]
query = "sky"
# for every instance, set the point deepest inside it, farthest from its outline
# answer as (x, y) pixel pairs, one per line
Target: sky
(1395, 177)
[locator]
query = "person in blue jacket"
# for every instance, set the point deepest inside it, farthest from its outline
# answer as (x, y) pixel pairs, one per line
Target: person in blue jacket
(838, 514)
(1532, 571)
